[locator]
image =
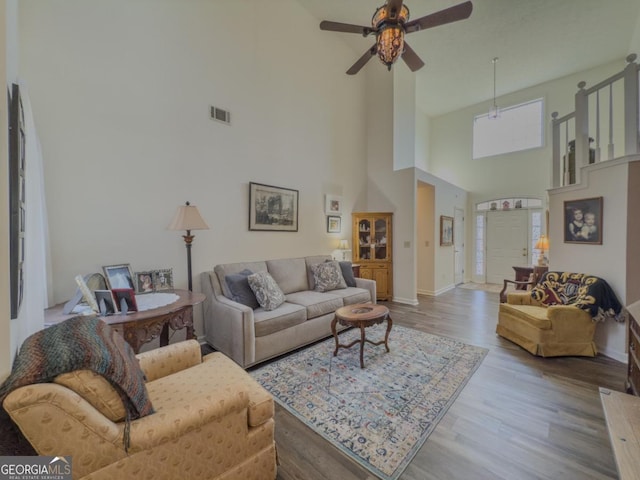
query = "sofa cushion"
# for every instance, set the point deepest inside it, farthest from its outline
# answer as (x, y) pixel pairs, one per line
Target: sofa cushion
(312, 261)
(289, 273)
(327, 276)
(316, 303)
(96, 390)
(536, 316)
(241, 292)
(267, 291)
(229, 268)
(351, 295)
(347, 273)
(286, 315)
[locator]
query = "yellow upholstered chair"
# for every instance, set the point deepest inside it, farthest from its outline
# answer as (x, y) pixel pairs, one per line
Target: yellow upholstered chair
(211, 420)
(559, 315)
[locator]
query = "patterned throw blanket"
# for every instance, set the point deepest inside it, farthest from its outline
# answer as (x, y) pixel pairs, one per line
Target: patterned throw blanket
(584, 291)
(82, 343)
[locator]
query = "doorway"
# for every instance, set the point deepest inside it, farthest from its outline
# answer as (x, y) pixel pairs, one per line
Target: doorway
(458, 246)
(507, 239)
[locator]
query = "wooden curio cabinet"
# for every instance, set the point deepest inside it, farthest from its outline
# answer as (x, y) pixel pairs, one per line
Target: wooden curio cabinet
(372, 250)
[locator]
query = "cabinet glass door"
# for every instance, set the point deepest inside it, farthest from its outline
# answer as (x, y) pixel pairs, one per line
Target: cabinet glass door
(364, 239)
(380, 239)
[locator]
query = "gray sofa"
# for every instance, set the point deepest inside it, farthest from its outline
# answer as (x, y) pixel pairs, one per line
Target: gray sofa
(250, 336)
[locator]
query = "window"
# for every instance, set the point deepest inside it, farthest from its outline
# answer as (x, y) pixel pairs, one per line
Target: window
(517, 128)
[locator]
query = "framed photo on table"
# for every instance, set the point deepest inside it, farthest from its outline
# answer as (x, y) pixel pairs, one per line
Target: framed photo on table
(446, 231)
(272, 208)
(125, 299)
(119, 276)
(106, 302)
(144, 282)
(163, 279)
(583, 221)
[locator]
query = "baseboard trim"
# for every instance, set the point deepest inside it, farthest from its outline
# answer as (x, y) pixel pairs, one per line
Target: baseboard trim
(426, 292)
(406, 301)
(445, 289)
(614, 354)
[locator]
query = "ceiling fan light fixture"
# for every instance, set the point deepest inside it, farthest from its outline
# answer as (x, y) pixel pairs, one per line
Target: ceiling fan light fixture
(390, 43)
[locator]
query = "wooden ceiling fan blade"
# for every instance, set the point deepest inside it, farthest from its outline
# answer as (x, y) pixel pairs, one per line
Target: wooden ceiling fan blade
(411, 58)
(448, 15)
(345, 27)
(362, 61)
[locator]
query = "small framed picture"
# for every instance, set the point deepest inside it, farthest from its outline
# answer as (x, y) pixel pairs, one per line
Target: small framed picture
(119, 276)
(106, 302)
(583, 221)
(332, 205)
(334, 224)
(144, 282)
(446, 231)
(125, 299)
(163, 279)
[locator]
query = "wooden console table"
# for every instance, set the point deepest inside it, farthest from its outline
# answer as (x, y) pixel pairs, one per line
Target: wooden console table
(138, 328)
(524, 273)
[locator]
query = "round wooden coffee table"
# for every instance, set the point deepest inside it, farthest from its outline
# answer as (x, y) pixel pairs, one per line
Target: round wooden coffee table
(361, 315)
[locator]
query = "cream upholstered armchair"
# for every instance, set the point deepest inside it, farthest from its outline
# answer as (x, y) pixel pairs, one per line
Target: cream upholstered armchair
(211, 420)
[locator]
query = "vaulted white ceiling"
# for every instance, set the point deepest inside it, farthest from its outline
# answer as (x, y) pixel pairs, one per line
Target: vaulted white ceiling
(535, 40)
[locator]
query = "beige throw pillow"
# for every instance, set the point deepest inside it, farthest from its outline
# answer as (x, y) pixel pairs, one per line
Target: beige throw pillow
(328, 276)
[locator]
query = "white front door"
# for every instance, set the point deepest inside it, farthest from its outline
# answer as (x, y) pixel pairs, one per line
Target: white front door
(458, 246)
(507, 234)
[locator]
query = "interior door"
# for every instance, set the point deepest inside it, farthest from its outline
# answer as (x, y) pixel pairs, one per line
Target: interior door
(458, 246)
(507, 233)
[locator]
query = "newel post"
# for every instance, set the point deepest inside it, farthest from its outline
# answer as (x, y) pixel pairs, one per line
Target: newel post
(631, 107)
(556, 169)
(582, 129)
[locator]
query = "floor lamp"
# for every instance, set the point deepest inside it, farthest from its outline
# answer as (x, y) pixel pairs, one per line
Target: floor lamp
(188, 218)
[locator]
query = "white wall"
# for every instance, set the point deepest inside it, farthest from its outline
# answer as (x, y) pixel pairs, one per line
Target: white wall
(121, 92)
(608, 260)
(6, 50)
(426, 241)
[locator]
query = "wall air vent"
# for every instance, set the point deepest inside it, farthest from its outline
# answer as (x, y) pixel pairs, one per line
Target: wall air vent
(220, 115)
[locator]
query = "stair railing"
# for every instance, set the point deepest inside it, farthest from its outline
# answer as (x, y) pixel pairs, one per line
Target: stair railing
(573, 133)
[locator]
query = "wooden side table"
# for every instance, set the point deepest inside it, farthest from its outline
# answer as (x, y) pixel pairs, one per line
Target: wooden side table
(361, 315)
(138, 328)
(356, 269)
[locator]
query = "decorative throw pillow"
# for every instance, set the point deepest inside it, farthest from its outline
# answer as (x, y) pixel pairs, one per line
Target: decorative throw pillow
(328, 276)
(241, 292)
(268, 293)
(347, 273)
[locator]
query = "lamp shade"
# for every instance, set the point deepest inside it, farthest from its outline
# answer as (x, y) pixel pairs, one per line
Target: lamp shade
(542, 243)
(343, 245)
(188, 217)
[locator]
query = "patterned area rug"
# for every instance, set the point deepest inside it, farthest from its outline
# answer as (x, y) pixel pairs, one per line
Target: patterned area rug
(380, 415)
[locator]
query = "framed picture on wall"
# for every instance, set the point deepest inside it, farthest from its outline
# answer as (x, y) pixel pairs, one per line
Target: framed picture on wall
(583, 221)
(332, 205)
(334, 224)
(272, 208)
(446, 231)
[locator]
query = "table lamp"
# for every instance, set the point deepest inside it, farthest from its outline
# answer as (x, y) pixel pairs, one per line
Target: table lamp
(188, 218)
(542, 244)
(344, 246)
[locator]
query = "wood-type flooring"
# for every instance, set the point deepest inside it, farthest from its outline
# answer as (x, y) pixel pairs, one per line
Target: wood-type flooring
(520, 417)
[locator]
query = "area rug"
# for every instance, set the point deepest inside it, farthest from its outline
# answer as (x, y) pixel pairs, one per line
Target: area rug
(380, 415)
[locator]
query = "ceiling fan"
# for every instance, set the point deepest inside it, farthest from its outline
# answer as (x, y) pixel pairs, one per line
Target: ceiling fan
(389, 24)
